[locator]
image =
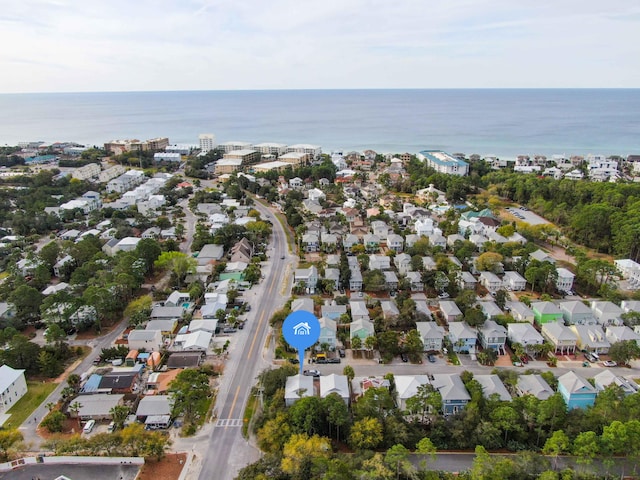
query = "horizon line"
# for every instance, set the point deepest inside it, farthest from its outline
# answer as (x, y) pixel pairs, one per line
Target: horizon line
(396, 89)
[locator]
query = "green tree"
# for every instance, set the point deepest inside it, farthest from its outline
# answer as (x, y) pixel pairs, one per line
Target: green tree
(49, 254)
(556, 445)
(189, 389)
(348, 372)
(26, 301)
(180, 264)
(426, 448)
(119, 415)
(308, 416)
(54, 421)
(275, 432)
(397, 458)
(586, 447)
(337, 412)
(366, 434)
(489, 261)
(624, 351)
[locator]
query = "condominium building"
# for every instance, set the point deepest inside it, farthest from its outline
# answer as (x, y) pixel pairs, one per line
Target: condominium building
(443, 162)
(86, 172)
(227, 165)
(234, 145)
(246, 155)
(295, 158)
(207, 142)
(314, 151)
(271, 148)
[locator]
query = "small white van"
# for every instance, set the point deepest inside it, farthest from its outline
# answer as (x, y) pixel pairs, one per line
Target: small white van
(89, 426)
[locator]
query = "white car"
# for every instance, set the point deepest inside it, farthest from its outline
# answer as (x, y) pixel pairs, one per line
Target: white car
(89, 426)
(609, 363)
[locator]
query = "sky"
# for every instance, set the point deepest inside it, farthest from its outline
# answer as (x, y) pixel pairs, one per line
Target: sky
(125, 45)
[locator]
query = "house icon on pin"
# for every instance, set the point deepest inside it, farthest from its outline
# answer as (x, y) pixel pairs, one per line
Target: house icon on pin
(302, 328)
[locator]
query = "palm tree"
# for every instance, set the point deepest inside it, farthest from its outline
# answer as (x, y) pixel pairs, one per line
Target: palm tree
(50, 406)
(74, 408)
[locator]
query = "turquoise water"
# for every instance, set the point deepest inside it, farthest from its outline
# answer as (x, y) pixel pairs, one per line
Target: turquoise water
(490, 122)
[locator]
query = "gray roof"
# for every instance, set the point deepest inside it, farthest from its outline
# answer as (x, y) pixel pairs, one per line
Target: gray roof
(491, 384)
(450, 386)
(534, 385)
(574, 383)
(154, 405)
(97, 405)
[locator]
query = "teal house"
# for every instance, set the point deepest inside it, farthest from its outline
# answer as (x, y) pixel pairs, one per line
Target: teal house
(576, 391)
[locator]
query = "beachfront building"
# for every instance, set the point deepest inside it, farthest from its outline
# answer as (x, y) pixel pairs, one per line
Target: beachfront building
(294, 158)
(207, 142)
(443, 162)
(246, 155)
(227, 165)
(314, 151)
(269, 148)
(227, 147)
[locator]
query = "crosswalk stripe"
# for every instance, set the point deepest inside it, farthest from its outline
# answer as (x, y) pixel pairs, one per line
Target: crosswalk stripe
(228, 422)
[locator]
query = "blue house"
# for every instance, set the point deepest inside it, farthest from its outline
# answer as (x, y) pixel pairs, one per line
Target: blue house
(576, 391)
(462, 337)
(453, 392)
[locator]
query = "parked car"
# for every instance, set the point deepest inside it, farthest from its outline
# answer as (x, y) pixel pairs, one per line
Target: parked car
(295, 361)
(404, 357)
(111, 428)
(609, 363)
(89, 426)
(341, 352)
(590, 357)
(334, 360)
(432, 358)
(443, 295)
(282, 257)
(311, 373)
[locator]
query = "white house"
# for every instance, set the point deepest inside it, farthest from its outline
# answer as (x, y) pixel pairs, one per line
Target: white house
(149, 340)
(514, 281)
(524, 334)
(564, 282)
(13, 386)
(335, 384)
(298, 386)
(490, 281)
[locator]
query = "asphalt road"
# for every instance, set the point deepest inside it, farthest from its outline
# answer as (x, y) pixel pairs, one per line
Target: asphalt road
(226, 450)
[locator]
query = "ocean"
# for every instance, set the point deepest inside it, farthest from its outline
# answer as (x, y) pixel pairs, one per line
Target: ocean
(501, 122)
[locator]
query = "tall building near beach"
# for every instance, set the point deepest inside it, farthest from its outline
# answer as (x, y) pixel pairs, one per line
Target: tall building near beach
(207, 142)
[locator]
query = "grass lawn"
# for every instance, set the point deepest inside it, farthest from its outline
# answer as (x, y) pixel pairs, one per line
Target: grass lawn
(252, 405)
(36, 394)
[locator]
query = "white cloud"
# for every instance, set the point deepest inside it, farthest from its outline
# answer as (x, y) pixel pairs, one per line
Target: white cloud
(74, 45)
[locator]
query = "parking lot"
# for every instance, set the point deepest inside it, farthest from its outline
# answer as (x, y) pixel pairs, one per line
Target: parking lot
(526, 215)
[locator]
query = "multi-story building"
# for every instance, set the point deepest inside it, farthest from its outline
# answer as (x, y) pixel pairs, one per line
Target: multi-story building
(314, 151)
(12, 387)
(246, 155)
(443, 162)
(118, 147)
(207, 142)
(227, 165)
(227, 147)
(86, 172)
(268, 148)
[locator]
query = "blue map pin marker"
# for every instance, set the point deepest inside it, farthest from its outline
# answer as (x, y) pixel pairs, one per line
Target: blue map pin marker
(301, 329)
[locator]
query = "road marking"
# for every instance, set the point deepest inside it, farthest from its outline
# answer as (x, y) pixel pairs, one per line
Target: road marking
(229, 422)
(255, 337)
(235, 399)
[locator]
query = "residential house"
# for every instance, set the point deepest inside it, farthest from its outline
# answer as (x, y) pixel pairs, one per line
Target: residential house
(185, 359)
(607, 313)
(329, 242)
(297, 387)
(98, 406)
(436, 239)
(58, 268)
(160, 312)
(606, 378)
(450, 310)
(466, 281)
(195, 341)
(380, 228)
(492, 385)
(563, 339)
(621, 333)
(490, 281)
(338, 384)
(415, 281)
(520, 312)
(242, 251)
(13, 387)
(296, 183)
(204, 324)
(304, 303)
(533, 385)
(210, 253)
(348, 242)
(7, 311)
(391, 280)
(125, 381)
(333, 311)
(361, 328)
(541, 256)
(545, 312)
(379, 262)
(493, 336)
(630, 306)
(410, 240)
(490, 309)
(564, 281)
(478, 240)
(407, 386)
(149, 340)
(429, 263)
(514, 281)
(576, 391)
(153, 405)
(177, 299)
(453, 238)
(424, 227)
(432, 335)
(395, 242)
(389, 309)
(576, 312)
(402, 261)
(463, 337)
(332, 275)
(371, 242)
(453, 392)
(591, 338)
(358, 310)
(311, 242)
(328, 329)
(166, 326)
(308, 277)
(355, 281)
(524, 334)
